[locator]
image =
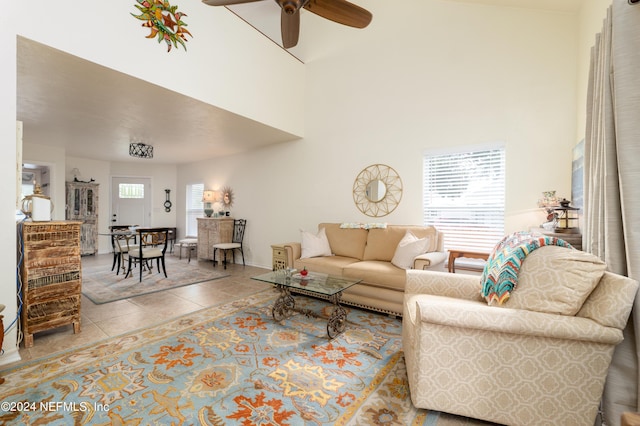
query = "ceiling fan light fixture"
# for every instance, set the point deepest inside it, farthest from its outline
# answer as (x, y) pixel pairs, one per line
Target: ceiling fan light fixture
(140, 150)
(291, 6)
(339, 11)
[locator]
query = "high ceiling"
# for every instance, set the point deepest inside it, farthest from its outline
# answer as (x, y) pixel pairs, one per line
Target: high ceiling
(94, 112)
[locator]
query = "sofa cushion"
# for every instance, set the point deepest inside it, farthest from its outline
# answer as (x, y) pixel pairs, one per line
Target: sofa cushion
(332, 265)
(408, 248)
(314, 245)
(500, 275)
(556, 280)
(382, 243)
(378, 273)
(345, 242)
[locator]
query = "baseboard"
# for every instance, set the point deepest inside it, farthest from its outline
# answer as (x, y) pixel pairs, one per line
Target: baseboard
(10, 356)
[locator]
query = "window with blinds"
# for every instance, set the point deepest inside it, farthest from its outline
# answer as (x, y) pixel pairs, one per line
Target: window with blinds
(195, 207)
(464, 196)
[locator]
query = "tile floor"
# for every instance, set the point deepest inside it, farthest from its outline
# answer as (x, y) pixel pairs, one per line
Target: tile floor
(99, 322)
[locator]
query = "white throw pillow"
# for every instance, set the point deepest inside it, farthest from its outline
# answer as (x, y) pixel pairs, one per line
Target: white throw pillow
(408, 248)
(314, 245)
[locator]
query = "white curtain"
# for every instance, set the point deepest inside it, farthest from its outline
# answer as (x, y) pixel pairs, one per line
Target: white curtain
(612, 183)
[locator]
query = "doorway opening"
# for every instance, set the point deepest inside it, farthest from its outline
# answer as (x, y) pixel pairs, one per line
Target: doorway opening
(33, 174)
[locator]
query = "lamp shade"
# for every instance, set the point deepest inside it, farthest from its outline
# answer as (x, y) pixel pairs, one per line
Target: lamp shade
(208, 196)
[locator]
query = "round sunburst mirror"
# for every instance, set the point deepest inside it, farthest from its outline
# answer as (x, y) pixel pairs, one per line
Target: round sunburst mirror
(226, 197)
(377, 190)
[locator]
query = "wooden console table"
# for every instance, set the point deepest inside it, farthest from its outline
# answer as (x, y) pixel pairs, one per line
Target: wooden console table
(457, 254)
(213, 231)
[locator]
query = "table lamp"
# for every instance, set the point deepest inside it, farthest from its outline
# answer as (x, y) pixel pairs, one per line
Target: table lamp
(208, 197)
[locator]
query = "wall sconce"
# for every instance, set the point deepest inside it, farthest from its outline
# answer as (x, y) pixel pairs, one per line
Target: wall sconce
(567, 221)
(208, 197)
(140, 150)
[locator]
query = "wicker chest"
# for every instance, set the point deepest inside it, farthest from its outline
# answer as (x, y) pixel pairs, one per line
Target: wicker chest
(51, 275)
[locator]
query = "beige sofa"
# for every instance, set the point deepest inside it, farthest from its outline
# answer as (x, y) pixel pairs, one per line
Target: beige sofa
(366, 254)
(541, 358)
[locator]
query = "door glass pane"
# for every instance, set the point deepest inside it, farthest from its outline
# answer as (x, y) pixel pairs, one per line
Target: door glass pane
(131, 190)
(89, 201)
(76, 201)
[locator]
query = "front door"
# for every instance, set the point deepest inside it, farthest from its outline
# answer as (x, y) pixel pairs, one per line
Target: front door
(130, 201)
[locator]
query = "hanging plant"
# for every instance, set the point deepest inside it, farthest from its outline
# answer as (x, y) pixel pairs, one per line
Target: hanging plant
(164, 21)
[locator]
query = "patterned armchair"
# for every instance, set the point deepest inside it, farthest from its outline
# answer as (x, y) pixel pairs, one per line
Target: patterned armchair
(540, 358)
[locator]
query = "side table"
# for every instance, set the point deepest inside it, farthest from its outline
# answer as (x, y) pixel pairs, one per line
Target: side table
(457, 254)
(574, 239)
(279, 257)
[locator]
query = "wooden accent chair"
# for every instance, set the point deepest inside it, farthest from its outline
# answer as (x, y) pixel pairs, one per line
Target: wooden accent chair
(239, 226)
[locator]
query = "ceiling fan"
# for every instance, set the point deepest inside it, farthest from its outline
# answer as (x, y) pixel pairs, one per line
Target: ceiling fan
(340, 11)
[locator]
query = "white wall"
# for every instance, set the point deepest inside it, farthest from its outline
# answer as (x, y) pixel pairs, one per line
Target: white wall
(445, 75)
(9, 168)
(227, 64)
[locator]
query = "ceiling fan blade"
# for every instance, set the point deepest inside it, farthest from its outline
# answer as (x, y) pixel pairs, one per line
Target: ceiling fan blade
(290, 28)
(340, 11)
(226, 2)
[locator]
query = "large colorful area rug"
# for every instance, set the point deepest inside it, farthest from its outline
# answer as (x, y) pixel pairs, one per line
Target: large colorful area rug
(101, 285)
(226, 365)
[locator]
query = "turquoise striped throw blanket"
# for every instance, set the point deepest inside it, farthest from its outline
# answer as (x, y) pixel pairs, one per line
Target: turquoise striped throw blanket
(500, 275)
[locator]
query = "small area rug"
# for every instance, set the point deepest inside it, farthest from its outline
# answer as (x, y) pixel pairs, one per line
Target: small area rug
(101, 285)
(230, 364)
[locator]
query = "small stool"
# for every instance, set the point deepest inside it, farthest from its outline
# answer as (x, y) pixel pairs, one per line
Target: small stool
(190, 244)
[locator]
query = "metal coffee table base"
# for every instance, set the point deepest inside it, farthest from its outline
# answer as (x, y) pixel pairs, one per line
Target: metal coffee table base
(285, 305)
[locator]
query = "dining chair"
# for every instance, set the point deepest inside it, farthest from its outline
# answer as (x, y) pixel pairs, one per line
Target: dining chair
(124, 243)
(152, 245)
(117, 231)
(239, 226)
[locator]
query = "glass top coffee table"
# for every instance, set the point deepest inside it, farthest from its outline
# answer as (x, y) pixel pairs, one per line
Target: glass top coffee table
(326, 286)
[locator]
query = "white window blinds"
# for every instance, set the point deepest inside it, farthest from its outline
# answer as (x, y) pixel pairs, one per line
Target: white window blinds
(463, 197)
(194, 207)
